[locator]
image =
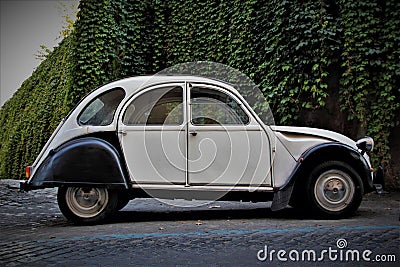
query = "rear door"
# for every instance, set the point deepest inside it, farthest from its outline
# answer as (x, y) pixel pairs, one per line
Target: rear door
(153, 135)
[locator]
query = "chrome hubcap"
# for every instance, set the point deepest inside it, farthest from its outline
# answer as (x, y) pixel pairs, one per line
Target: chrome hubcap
(86, 202)
(334, 190)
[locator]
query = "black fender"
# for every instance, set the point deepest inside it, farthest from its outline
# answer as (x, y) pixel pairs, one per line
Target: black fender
(87, 161)
(316, 155)
(332, 151)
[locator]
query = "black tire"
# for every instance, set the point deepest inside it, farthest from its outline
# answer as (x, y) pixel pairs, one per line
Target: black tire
(333, 190)
(123, 200)
(86, 206)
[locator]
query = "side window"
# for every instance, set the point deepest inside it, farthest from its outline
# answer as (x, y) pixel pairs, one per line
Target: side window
(162, 106)
(211, 107)
(100, 111)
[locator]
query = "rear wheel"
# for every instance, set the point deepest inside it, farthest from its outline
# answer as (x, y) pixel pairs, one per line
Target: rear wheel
(84, 205)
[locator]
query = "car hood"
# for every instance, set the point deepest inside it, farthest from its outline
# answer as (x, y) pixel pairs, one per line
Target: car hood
(329, 135)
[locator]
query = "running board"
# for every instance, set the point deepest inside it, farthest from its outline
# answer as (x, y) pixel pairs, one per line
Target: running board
(208, 188)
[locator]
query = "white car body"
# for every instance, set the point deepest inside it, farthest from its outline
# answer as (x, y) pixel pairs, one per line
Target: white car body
(187, 160)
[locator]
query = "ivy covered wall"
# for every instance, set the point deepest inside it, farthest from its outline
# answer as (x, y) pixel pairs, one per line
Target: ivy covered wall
(30, 116)
(329, 64)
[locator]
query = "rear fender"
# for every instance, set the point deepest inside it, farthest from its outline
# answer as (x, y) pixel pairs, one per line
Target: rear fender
(87, 161)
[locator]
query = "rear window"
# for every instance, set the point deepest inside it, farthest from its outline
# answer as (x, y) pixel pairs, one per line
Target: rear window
(100, 111)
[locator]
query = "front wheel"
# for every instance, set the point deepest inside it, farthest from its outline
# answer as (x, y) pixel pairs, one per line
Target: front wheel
(334, 190)
(83, 205)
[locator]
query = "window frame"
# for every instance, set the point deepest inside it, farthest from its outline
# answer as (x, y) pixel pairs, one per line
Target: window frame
(96, 98)
(149, 89)
(224, 91)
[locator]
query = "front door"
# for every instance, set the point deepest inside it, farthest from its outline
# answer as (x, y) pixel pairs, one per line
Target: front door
(226, 145)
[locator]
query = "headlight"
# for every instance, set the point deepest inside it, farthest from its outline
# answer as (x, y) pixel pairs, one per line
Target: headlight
(365, 144)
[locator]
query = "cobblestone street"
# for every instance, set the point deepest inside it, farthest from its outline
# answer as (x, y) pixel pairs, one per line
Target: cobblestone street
(148, 232)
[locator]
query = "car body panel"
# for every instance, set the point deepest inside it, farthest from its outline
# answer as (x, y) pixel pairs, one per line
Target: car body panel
(283, 165)
(314, 132)
(82, 161)
(154, 156)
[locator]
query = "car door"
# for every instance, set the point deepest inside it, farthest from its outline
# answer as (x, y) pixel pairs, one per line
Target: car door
(226, 144)
(153, 135)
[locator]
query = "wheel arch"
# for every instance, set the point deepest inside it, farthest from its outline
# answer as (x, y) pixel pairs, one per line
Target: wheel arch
(84, 161)
(332, 152)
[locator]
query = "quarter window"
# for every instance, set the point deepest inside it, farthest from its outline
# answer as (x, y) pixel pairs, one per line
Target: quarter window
(100, 111)
(162, 106)
(212, 107)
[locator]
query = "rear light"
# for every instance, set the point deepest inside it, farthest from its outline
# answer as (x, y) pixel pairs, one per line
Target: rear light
(28, 172)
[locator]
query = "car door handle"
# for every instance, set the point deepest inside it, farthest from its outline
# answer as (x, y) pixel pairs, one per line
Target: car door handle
(193, 133)
(122, 132)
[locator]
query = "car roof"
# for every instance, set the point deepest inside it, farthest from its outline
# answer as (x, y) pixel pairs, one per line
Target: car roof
(133, 84)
